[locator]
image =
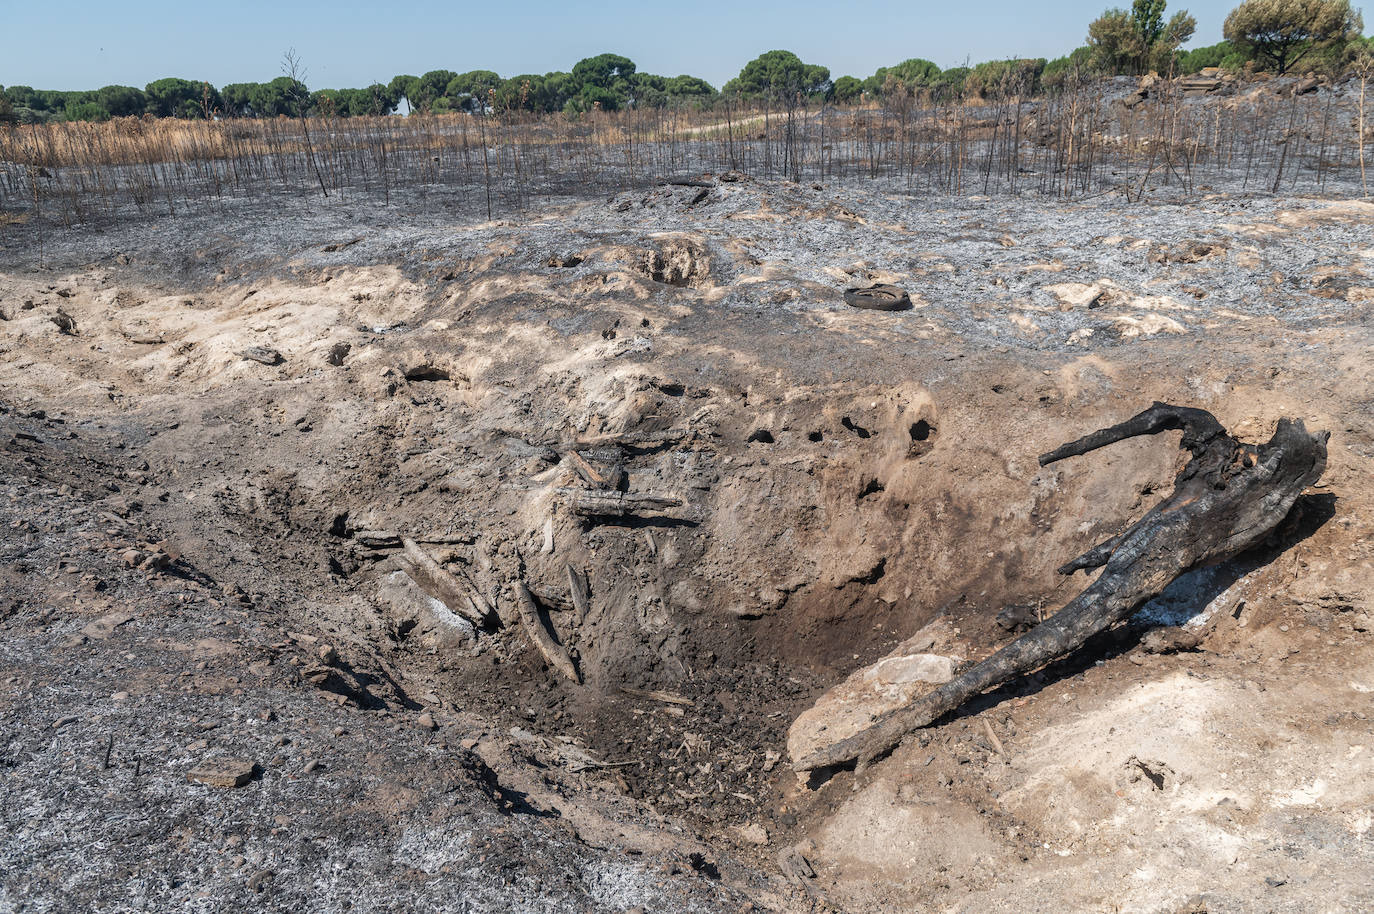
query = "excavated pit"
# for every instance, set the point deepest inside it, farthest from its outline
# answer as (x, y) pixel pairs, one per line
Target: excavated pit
(835, 484)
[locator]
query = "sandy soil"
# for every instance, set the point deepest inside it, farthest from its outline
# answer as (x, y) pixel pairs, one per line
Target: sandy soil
(846, 478)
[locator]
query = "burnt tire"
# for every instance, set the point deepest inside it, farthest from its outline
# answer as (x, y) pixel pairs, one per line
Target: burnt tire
(882, 297)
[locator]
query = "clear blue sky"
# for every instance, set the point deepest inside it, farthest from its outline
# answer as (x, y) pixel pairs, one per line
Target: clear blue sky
(85, 44)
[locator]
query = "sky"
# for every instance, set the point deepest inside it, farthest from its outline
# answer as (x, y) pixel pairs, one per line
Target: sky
(85, 44)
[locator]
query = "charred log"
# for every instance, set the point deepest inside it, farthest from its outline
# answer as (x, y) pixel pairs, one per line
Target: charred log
(1228, 497)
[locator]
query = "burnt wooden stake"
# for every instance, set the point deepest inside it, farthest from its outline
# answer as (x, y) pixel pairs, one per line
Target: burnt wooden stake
(553, 653)
(1227, 498)
(581, 593)
(617, 504)
(439, 584)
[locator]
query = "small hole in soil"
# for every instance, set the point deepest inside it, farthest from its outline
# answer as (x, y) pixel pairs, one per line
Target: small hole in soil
(761, 435)
(872, 487)
(856, 429)
(340, 525)
(816, 436)
(427, 373)
(921, 430)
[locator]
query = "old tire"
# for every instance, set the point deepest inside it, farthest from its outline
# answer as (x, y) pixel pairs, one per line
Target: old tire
(882, 297)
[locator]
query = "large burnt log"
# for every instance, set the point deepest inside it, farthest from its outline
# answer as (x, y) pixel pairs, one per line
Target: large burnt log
(1227, 498)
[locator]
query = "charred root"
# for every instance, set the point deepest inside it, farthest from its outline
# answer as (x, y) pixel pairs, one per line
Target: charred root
(1228, 497)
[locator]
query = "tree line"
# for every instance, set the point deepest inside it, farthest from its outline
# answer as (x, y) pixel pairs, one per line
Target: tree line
(1280, 36)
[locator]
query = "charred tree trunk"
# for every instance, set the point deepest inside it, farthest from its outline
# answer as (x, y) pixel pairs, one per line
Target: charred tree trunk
(1228, 497)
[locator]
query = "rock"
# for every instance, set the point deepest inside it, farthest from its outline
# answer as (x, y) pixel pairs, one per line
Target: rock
(327, 654)
(414, 614)
(753, 833)
(337, 353)
(426, 722)
(1170, 640)
(795, 866)
(222, 772)
(1076, 294)
(1187, 252)
(854, 704)
(1020, 617)
(65, 323)
(263, 354)
(156, 560)
(1149, 324)
(322, 677)
(102, 628)
(259, 880)
(931, 668)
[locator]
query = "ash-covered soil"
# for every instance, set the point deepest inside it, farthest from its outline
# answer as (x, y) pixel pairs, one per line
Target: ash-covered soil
(215, 429)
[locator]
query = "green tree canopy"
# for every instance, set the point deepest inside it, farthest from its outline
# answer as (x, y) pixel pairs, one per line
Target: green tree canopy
(22, 96)
(591, 97)
(846, 90)
(1283, 33)
(1139, 40)
(1076, 63)
(532, 92)
(689, 86)
(779, 75)
(402, 87)
(278, 97)
(374, 101)
(238, 99)
(472, 90)
(86, 111)
(999, 78)
(122, 101)
(606, 81)
(424, 93)
(907, 77)
(187, 98)
(605, 71)
(1222, 54)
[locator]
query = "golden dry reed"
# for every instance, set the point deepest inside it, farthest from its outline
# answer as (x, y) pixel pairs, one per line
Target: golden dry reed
(1077, 142)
